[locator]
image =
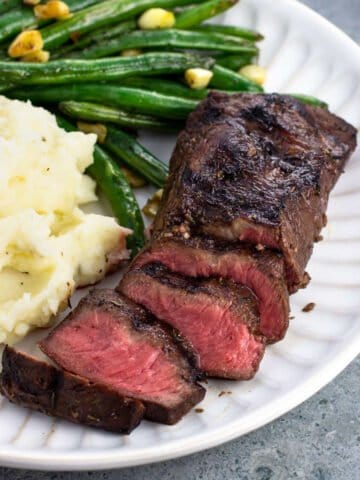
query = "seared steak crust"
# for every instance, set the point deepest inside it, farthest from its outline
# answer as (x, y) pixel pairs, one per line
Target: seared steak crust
(258, 168)
(98, 319)
(35, 384)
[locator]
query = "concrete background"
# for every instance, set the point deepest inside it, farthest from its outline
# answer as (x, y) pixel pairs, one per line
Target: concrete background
(320, 440)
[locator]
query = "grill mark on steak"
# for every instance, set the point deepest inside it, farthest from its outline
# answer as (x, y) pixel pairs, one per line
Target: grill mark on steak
(112, 341)
(262, 272)
(35, 384)
(257, 168)
(218, 317)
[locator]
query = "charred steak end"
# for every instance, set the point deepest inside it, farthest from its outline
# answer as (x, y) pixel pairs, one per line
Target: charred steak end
(257, 168)
(35, 384)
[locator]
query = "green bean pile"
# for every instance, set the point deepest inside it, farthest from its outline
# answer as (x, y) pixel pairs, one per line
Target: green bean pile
(90, 77)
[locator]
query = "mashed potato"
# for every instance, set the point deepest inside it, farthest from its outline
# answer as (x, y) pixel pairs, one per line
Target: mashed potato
(41, 165)
(48, 245)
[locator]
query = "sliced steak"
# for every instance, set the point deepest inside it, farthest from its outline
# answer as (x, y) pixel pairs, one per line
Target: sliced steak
(257, 168)
(219, 318)
(262, 272)
(35, 384)
(110, 340)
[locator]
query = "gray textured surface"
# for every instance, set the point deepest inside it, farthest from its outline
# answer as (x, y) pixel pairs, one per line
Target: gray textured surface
(343, 13)
(319, 440)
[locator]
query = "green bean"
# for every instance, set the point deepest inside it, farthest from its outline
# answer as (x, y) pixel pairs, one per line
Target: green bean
(233, 31)
(105, 14)
(16, 20)
(170, 87)
(6, 5)
(199, 13)
(108, 69)
(310, 100)
(129, 151)
(117, 191)
(119, 194)
(169, 38)
(99, 113)
(111, 32)
(4, 57)
(234, 62)
(77, 5)
(225, 79)
(97, 37)
(167, 87)
(131, 99)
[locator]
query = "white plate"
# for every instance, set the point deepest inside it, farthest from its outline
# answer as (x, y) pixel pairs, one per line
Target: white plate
(304, 53)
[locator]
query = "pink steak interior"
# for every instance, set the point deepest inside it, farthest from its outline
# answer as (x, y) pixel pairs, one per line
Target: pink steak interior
(225, 346)
(103, 350)
(272, 294)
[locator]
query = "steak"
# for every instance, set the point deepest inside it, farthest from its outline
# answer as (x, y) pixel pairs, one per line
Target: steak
(110, 340)
(256, 168)
(219, 318)
(262, 272)
(35, 384)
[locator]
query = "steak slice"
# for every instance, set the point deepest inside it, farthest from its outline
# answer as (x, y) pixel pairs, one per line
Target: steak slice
(35, 384)
(256, 168)
(110, 340)
(262, 272)
(218, 318)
